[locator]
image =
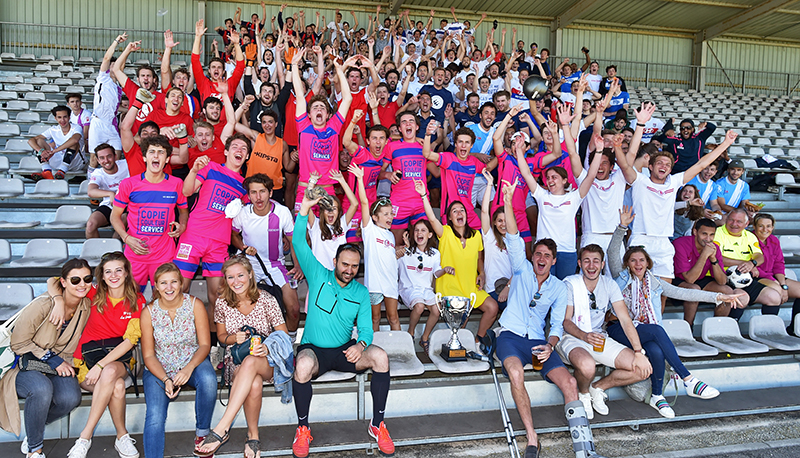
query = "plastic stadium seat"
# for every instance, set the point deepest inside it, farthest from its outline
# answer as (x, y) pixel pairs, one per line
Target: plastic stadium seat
(11, 187)
(749, 164)
(23, 87)
(86, 82)
(776, 152)
(67, 58)
(28, 116)
(5, 251)
(680, 333)
(27, 164)
(8, 95)
(12, 79)
(723, 333)
(43, 68)
(36, 129)
(782, 142)
(89, 70)
(94, 249)
(771, 330)
(73, 76)
(794, 152)
(790, 244)
(13, 297)
(75, 90)
(8, 55)
(43, 253)
(741, 141)
(4, 165)
(399, 346)
(756, 151)
(16, 145)
(70, 217)
(45, 106)
(199, 289)
(335, 376)
(47, 57)
(52, 74)
(55, 63)
(63, 81)
(50, 188)
(3, 116)
(442, 336)
(785, 181)
(85, 60)
(39, 80)
(18, 105)
(763, 141)
(8, 129)
(50, 88)
(65, 68)
(83, 190)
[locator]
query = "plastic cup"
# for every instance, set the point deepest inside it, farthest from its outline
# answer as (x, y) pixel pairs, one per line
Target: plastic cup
(535, 352)
(602, 346)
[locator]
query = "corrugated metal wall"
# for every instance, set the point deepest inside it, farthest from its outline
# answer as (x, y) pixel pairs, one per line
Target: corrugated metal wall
(759, 59)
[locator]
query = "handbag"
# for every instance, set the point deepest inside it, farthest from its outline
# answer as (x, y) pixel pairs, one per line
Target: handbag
(96, 350)
(643, 390)
(272, 288)
(7, 355)
(240, 351)
(29, 362)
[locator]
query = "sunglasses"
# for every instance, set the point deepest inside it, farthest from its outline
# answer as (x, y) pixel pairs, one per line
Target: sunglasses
(77, 280)
(593, 301)
(536, 297)
(419, 258)
(380, 203)
(687, 127)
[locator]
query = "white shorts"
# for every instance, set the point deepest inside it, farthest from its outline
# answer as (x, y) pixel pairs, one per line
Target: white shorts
(56, 162)
(661, 252)
(279, 274)
(479, 189)
(607, 357)
(588, 238)
(411, 296)
(103, 132)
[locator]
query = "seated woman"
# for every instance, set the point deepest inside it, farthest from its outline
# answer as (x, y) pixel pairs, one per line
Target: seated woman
(772, 272)
(641, 291)
(496, 259)
(241, 304)
(688, 209)
(175, 345)
(44, 376)
(105, 349)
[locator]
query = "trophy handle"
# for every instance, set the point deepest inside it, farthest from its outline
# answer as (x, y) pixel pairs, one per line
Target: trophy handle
(473, 299)
(439, 302)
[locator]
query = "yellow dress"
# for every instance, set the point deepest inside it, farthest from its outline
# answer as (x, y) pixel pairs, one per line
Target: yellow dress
(464, 259)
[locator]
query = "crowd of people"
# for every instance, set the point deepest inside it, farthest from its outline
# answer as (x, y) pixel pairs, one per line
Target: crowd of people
(307, 149)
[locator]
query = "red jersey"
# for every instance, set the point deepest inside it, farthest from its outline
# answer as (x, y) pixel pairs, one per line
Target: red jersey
(161, 118)
(135, 160)
(216, 153)
(190, 106)
(130, 92)
(290, 128)
(113, 322)
(359, 103)
(386, 115)
(206, 87)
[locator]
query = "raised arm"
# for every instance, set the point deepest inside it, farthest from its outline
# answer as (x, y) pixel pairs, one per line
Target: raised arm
(614, 257)
(347, 97)
(519, 151)
(299, 91)
(622, 162)
(166, 70)
(565, 116)
(230, 114)
(106, 64)
(586, 185)
(119, 66)
(438, 229)
(427, 151)
(347, 137)
(643, 114)
(706, 160)
(486, 204)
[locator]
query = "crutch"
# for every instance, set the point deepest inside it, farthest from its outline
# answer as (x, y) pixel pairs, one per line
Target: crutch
(511, 439)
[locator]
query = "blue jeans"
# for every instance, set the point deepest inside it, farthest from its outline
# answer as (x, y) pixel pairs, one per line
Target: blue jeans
(656, 343)
(204, 381)
(566, 264)
(47, 398)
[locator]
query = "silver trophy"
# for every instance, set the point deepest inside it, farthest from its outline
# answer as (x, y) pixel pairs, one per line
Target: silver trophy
(455, 310)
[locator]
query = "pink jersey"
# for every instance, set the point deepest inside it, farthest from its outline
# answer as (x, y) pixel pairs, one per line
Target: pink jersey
(458, 177)
(407, 158)
(508, 171)
(151, 209)
(372, 169)
(220, 185)
(318, 149)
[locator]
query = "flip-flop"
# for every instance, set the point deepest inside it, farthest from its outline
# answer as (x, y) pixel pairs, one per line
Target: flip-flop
(425, 344)
(212, 437)
(255, 446)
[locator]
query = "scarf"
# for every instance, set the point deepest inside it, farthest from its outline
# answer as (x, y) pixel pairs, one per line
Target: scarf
(637, 297)
(581, 315)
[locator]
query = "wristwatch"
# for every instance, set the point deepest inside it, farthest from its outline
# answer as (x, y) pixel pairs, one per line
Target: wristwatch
(644, 353)
(755, 263)
(785, 287)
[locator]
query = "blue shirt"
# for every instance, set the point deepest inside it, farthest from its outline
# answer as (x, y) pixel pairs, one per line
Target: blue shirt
(566, 87)
(440, 98)
(481, 137)
(617, 102)
(521, 316)
(725, 189)
(464, 119)
(710, 187)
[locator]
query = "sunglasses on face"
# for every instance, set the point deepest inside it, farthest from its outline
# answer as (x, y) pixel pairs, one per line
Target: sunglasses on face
(77, 280)
(592, 301)
(686, 128)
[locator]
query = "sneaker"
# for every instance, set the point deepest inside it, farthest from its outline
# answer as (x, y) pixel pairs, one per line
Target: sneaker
(23, 447)
(661, 404)
(586, 399)
(302, 441)
(381, 435)
(80, 449)
(59, 175)
(37, 455)
(125, 447)
(599, 398)
(697, 389)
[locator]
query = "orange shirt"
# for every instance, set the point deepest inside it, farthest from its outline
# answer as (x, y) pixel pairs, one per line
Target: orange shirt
(267, 159)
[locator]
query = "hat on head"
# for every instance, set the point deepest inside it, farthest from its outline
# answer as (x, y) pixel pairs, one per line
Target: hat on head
(736, 164)
(525, 136)
(687, 121)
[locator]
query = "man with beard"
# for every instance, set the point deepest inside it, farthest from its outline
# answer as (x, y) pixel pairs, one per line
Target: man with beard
(471, 115)
(265, 101)
(145, 75)
(687, 147)
(103, 184)
(216, 68)
(441, 97)
(180, 79)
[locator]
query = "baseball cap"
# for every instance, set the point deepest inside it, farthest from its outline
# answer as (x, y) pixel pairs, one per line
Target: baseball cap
(525, 137)
(736, 163)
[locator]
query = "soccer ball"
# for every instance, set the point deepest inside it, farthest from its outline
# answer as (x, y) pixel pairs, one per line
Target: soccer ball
(738, 279)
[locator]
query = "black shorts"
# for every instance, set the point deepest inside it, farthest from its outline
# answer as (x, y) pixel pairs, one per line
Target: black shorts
(278, 195)
(754, 290)
(105, 210)
(705, 281)
(332, 359)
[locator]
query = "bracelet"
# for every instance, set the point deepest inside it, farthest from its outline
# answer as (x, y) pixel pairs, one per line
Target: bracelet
(164, 380)
(100, 365)
(125, 240)
(639, 124)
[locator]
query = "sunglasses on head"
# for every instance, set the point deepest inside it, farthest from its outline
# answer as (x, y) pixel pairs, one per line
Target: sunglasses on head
(380, 203)
(593, 301)
(77, 280)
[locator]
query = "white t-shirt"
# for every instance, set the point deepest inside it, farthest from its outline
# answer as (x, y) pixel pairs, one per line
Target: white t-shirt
(654, 205)
(415, 86)
(602, 203)
(107, 182)
(325, 250)
(107, 95)
(557, 217)
(380, 260)
(496, 85)
(55, 136)
(606, 292)
(265, 234)
(594, 81)
(81, 119)
(415, 282)
(496, 263)
(650, 128)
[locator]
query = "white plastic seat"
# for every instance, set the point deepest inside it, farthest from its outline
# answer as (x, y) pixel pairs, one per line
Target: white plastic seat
(4, 165)
(744, 141)
(8, 95)
(777, 152)
(3, 116)
(28, 116)
(736, 151)
(85, 60)
(680, 333)
(335, 376)
(763, 141)
(52, 75)
(51, 88)
(9, 129)
(70, 216)
(785, 181)
(771, 330)
(16, 145)
(34, 96)
(782, 142)
(83, 190)
(23, 87)
(442, 336)
(790, 244)
(756, 151)
(723, 333)
(749, 164)
(8, 55)
(18, 105)
(13, 297)
(199, 289)
(28, 164)
(75, 90)
(5, 251)
(43, 253)
(36, 129)
(11, 187)
(399, 346)
(45, 106)
(73, 75)
(94, 249)
(42, 68)
(50, 188)
(86, 82)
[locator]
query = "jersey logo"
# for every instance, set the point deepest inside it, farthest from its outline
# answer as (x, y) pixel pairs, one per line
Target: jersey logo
(144, 112)
(660, 193)
(551, 204)
(220, 197)
(152, 220)
(321, 150)
(184, 251)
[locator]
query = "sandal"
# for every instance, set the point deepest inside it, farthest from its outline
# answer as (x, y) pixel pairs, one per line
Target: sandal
(255, 446)
(211, 438)
(425, 344)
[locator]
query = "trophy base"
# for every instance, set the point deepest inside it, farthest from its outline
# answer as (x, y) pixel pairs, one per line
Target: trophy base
(453, 356)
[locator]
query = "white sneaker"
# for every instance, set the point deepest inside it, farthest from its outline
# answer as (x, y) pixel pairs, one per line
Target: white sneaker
(80, 449)
(586, 399)
(697, 389)
(23, 447)
(599, 398)
(661, 404)
(37, 455)
(125, 448)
